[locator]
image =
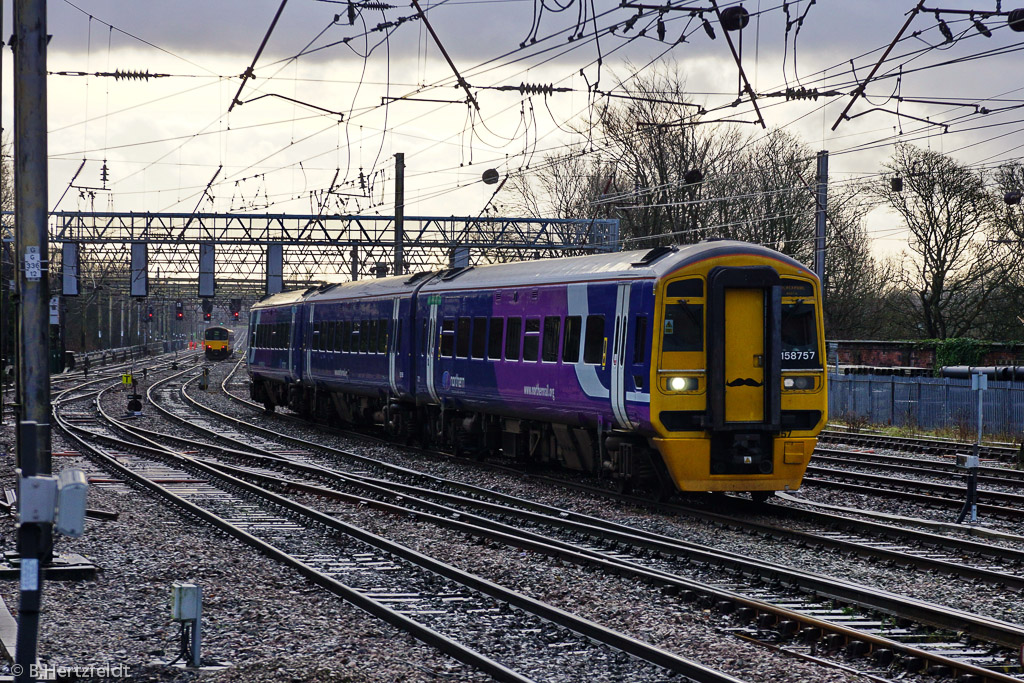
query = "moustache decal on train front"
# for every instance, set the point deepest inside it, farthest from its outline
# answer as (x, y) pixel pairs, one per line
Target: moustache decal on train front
(744, 381)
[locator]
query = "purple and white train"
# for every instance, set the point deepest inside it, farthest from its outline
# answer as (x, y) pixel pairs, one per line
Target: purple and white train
(691, 368)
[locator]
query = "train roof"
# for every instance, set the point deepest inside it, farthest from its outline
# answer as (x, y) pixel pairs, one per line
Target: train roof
(644, 263)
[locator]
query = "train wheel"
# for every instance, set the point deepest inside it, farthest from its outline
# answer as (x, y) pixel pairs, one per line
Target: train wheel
(268, 408)
(761, 497)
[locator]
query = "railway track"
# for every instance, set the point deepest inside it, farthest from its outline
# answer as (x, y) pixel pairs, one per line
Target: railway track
(1003, 453)
(832, 610)
(508, 635)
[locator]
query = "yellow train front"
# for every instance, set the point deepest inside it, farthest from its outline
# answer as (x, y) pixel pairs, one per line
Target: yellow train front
(738, 386)
(217, 342)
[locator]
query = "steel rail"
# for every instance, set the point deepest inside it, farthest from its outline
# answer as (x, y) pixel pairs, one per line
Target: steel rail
(624, 643)
(989, 629)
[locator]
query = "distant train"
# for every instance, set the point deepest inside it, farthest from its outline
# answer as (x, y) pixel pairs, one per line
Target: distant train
(691, 368)
(217, 342)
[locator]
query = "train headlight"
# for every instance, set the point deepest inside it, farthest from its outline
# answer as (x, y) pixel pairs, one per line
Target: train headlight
(799, 383)
(682, 383)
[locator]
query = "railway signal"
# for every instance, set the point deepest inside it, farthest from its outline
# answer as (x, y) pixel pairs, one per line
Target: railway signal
(179, 311)
(206, 317)
(149, 314)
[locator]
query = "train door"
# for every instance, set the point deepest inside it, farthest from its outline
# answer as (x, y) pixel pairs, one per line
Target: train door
(309, 343)
(293, 337)
(744, 355)
(254, 322)
(744, 344)
(432, 330)
(393, 349)
(619, 360)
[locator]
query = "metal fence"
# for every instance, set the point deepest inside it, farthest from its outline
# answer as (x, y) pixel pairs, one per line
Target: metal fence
(927, 403)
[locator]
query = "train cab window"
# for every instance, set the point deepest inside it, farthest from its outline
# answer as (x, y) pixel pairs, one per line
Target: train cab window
(462, 338)
(479, 337)
(571, 345)
(531, 339)
(447, 337)
(640, 339)
(382, 335)
(799, 336)
(593, 340)
(495, 335)
(512, 338)
(692, 287)
(684, 327)
(549, 350)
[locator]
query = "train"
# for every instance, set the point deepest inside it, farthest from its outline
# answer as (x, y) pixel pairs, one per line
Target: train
(678, 368)
(217, 342)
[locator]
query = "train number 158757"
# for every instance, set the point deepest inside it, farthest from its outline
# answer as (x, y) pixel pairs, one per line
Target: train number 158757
(798, 355)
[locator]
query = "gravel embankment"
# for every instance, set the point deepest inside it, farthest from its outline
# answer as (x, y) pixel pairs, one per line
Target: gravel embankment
(273, 628)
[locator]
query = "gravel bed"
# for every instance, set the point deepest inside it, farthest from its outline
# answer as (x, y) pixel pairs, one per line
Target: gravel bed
(316, 637)
(940, 589)
(256, 615)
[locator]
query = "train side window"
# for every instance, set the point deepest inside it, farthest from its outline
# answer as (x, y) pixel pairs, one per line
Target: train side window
(571, 345)
(512, 338)
(371, 343)
(447, 337)
(549, 349)
(346, 335)
(382, 335)
(684, 327)
(339, 330)
(640, 339)
(531, 339)
(496, 334)
(364, 335)
(462, 338)
(479, 337)
(593, 341)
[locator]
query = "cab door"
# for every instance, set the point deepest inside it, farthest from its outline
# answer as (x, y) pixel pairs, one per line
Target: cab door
(744, 348)
(744, 355)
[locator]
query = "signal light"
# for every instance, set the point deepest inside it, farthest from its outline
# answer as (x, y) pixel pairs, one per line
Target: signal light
(149, 314)
(206, 317)
(235, 314)
(179, 311)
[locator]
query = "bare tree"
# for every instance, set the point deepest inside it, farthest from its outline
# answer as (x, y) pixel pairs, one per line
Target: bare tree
(953, 268)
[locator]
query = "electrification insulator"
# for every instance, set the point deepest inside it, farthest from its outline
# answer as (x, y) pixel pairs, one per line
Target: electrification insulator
(351, 14)
(1016, 20)
(1012, 197)
(982, 29)
(802, 93)
(709, 29)
(104, 171)
(661, 30)
(735, 18)
(944, 29)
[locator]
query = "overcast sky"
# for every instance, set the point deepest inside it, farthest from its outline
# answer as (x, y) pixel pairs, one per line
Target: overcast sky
(319, 109)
